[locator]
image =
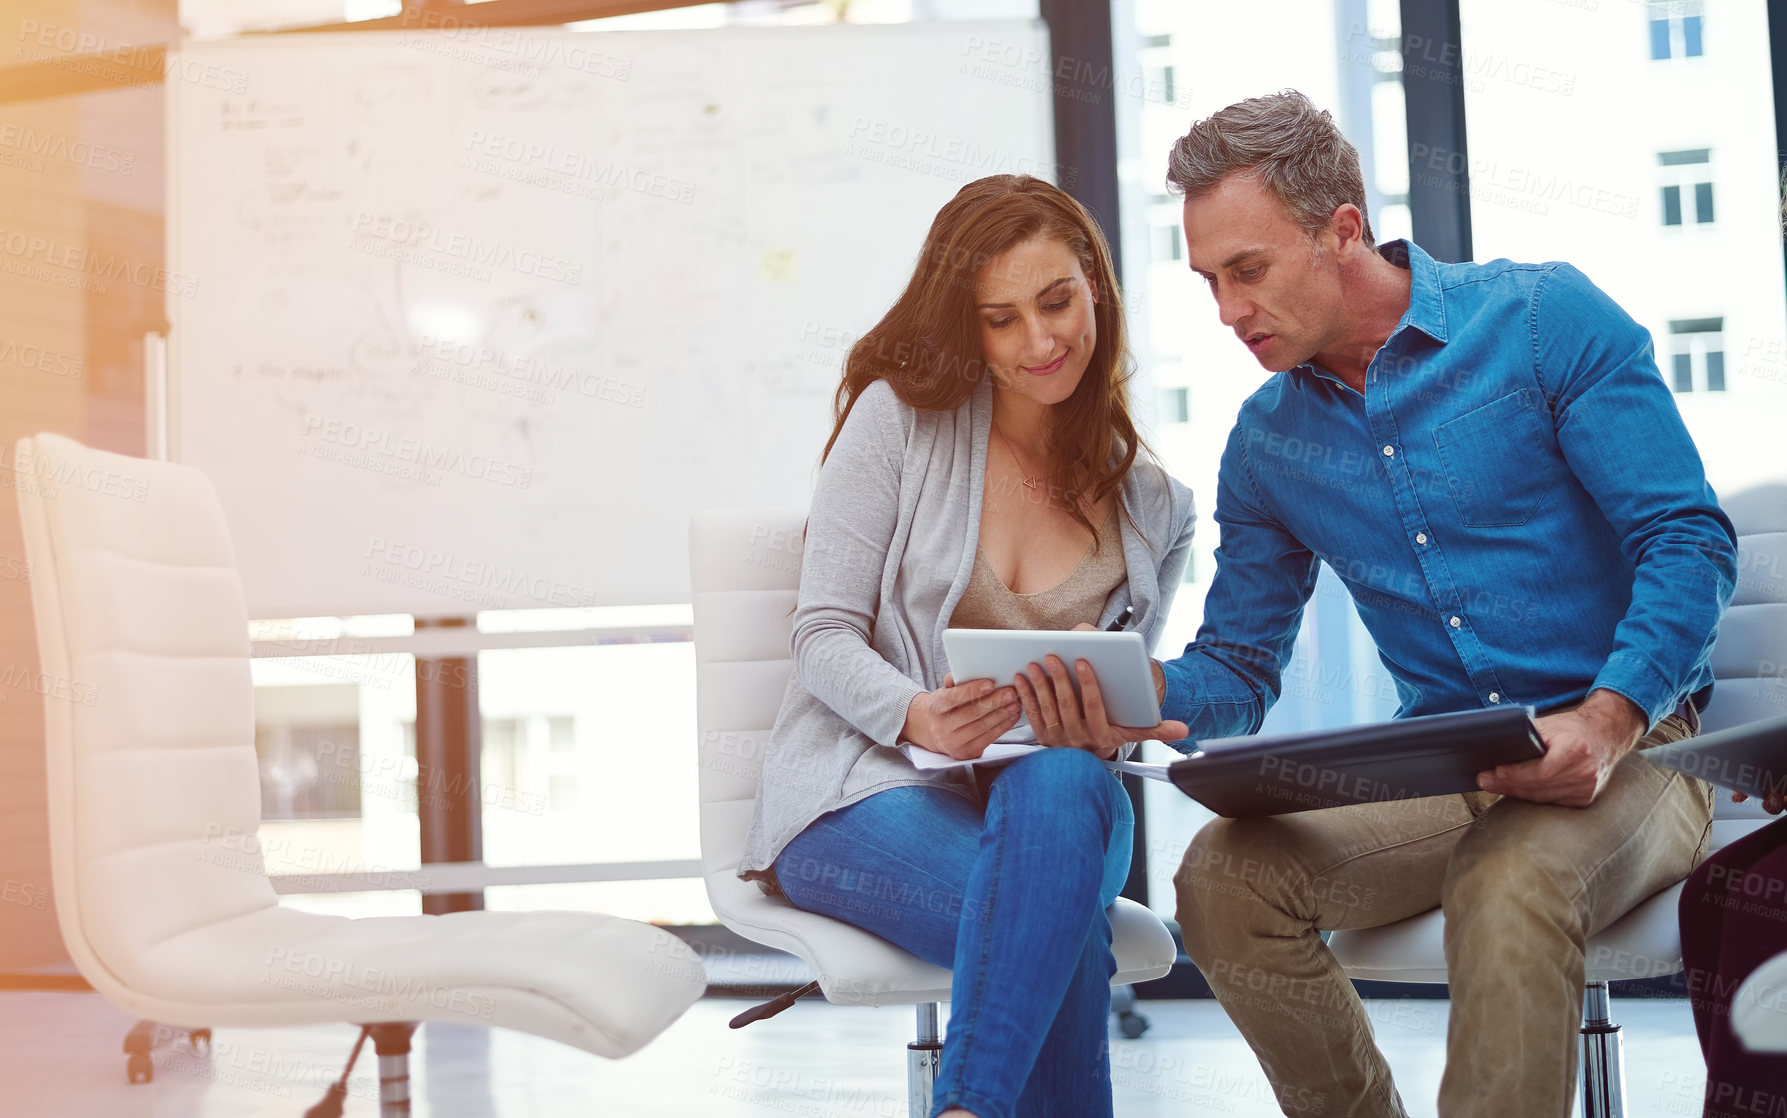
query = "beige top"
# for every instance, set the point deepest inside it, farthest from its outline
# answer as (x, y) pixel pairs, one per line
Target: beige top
(987, 603)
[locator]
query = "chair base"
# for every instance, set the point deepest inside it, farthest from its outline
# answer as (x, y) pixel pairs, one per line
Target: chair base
(923, 1057)
(145, 1037)
(773, 1006)
(392, 1043)
(1603, 1063)
(1130, 1021)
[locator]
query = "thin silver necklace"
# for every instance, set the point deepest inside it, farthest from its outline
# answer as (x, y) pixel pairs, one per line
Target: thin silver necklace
(1031, 481)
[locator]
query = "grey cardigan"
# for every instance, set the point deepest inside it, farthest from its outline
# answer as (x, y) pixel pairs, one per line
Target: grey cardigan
(891, 538)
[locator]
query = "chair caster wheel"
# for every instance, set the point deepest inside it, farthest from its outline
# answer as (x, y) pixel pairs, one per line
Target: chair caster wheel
(1132, 1024)
(139, 1069)
(200, 1040)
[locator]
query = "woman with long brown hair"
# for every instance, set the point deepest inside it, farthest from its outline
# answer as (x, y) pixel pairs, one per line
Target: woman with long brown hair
(984, 472)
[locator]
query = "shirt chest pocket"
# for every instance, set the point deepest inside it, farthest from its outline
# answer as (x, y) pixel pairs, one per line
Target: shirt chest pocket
(1500, 460)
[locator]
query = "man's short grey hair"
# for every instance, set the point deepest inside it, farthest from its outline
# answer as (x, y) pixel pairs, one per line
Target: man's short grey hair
(1285, 142)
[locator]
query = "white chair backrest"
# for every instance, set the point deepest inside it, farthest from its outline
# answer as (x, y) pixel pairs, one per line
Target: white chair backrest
(154, 790)
(744, 573)
(1750, 655)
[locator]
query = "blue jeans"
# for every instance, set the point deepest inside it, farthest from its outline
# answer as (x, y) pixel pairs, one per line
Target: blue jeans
(1011, 894)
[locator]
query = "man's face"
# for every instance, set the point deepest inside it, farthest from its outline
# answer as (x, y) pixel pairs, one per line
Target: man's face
(1274, 287)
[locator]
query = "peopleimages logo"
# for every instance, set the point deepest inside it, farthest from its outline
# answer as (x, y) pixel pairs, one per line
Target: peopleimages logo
(456, 570)
(29, 356)
(373, 230)
(530, 378)
(916, 149)
(80, 152)
(47, 476)
(82, 52)
(354, 438)
(351, 981)
(496, 148)
(29, 248)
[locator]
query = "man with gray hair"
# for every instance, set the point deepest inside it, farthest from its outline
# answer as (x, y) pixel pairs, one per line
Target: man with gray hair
(1488, 458)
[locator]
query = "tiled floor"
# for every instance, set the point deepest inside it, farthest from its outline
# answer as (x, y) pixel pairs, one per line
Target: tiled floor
(60, 1058)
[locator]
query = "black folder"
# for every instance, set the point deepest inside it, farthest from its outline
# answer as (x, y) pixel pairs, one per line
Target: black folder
(1407, 758)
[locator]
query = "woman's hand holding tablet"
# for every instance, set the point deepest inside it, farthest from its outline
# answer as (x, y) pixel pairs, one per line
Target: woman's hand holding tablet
(960, 720)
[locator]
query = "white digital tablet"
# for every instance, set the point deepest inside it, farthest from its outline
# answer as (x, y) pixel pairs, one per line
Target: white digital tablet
(1751, 758)
(1119, 660)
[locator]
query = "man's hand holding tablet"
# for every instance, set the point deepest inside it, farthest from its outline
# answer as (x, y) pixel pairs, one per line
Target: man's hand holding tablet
(1083, 723)
(1061, 716)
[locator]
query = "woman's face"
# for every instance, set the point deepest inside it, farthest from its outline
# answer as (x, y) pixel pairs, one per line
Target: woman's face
(1037, 328)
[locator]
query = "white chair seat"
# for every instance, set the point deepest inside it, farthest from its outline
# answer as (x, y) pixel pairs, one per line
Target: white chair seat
(855, 967)
(1759, 1008)
(1641, 944)
(596, 982)
(1644, 943)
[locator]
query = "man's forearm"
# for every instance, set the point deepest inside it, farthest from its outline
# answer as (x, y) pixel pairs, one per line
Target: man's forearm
(1210, 696)
(1618, 718)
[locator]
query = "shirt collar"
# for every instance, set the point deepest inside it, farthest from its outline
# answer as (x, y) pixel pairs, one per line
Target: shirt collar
(1427, 310)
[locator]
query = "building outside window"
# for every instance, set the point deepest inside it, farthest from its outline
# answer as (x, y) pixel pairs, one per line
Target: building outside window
(1169, 236)
(1676, 28)
(534, 756)
(1697, 355)
(1687, 186)
(307, 741)
(1175, 405)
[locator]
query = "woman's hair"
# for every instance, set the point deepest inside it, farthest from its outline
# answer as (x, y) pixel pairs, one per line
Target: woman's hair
(927, 347)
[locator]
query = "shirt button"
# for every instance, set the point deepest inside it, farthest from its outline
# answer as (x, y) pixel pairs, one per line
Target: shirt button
(1420, 537)
(1454, 621)
(1494, 698)
(1389, 452)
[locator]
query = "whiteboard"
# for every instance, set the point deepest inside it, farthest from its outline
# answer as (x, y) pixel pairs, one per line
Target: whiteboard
(475, 320)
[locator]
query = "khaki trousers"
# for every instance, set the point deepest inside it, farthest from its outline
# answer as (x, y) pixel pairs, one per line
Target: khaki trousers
(1523, 886)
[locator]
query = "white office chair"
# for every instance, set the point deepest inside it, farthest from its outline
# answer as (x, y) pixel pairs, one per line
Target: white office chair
(1646, 942)
(154, 802)
(745, 570)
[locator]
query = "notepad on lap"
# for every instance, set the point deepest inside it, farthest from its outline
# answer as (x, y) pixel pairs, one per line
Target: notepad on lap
(929, 760)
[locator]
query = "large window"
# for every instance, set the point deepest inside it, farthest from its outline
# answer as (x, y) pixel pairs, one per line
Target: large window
(1646, 179)
(336, 741)
(589, 756)
(1347, 57)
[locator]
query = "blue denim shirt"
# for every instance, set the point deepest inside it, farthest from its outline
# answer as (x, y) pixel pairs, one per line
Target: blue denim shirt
(1514, 504)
